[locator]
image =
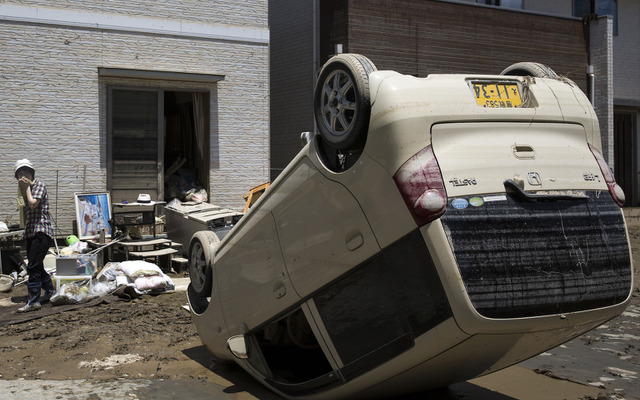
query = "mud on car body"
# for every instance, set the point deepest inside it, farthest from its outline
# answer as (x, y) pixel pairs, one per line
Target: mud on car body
(436, 229)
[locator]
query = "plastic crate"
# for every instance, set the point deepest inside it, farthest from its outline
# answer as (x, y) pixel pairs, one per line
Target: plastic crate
(76, 264)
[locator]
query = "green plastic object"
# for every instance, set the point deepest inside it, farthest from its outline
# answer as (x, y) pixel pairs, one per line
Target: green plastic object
(71, 239)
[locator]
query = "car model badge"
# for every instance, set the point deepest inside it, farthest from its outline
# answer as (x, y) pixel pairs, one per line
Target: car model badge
(589, 177)
(534, 179)
(459, 204)
(463, 182)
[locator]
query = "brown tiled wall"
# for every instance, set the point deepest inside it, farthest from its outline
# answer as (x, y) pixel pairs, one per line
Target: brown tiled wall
(422, 37)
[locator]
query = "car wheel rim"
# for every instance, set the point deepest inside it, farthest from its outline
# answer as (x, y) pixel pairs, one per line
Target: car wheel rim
(338, 103)
(198, 266)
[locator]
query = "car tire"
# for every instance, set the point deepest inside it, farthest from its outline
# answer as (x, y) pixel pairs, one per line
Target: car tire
(200, 260)
(536, 70)
(342, 105)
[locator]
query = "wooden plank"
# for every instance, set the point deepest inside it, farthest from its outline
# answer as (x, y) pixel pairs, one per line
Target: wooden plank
(140, 243)
(153, 253)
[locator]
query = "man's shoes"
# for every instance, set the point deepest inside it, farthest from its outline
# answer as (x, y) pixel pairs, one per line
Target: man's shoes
(48, 294)
(30, 307)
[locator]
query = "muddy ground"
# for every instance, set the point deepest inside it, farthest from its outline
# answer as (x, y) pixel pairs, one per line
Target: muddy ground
(153, 339)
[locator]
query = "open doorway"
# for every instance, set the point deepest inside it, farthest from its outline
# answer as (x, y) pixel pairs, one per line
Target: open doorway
(186, 173)
(158, 144)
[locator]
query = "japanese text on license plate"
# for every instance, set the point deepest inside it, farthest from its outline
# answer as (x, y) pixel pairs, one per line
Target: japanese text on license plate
(496, 94)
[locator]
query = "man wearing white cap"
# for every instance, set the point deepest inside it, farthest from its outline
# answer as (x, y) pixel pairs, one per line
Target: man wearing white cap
(37, 233)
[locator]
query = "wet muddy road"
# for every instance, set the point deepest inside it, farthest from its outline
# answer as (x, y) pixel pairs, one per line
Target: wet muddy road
(607, 357)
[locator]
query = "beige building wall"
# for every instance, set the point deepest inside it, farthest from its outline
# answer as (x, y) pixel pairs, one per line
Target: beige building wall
(53, 101)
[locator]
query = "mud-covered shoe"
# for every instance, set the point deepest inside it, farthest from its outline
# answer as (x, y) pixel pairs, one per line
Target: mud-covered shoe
(29, 307)
(48, 294)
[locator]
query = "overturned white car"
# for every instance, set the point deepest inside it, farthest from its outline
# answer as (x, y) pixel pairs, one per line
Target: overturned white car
(437, 229)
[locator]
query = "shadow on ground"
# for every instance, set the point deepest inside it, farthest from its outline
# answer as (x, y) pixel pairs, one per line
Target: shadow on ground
(242, 382)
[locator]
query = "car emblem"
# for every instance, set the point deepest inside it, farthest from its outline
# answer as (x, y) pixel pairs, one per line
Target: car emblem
(534, 179)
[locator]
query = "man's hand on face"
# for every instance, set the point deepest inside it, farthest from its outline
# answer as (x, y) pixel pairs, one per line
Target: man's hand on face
(24, 182)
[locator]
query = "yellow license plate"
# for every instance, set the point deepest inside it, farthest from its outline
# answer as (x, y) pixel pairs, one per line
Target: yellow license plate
(496, 94)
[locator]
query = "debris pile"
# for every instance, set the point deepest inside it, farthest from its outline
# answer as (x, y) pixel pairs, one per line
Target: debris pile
(126, 279)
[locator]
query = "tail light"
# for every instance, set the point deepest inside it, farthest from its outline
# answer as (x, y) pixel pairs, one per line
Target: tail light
(421, 186)
(614, 189)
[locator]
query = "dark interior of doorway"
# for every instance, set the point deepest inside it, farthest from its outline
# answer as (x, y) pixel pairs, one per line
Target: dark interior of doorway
(186, 171)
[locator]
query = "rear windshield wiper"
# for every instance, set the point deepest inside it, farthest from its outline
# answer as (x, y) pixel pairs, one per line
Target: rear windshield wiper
(514, 188)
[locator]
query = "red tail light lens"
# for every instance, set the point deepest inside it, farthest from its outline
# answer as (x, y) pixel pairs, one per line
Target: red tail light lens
(420, 183)
(614, 189)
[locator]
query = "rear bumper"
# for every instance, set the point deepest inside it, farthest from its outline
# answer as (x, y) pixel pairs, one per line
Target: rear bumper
(521, 259)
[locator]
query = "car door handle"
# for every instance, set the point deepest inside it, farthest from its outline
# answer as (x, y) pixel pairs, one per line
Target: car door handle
(279, 289)
(354, 239)
(523, 151)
